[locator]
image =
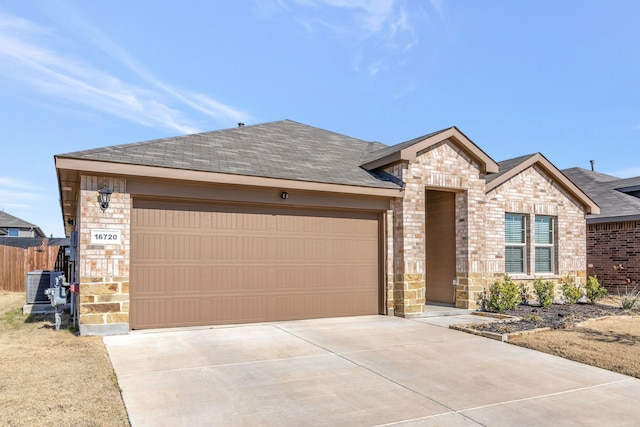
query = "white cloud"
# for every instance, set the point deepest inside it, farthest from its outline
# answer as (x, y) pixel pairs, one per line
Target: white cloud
(438, 6)
(376, 67)
(199, 102)
(16, 193)
(30, 58)
(372, 28)
(371, 16)
(16, 183)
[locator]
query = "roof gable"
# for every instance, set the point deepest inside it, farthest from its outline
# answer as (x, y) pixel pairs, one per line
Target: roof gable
(512, 167)
(409, 150)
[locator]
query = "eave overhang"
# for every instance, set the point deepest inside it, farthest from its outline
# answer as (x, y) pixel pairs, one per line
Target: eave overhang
(69, 170)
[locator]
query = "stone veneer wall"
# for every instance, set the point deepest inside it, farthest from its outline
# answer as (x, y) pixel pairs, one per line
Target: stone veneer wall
(442, 167)
(103, 270)
(532, 192)
(614, 244)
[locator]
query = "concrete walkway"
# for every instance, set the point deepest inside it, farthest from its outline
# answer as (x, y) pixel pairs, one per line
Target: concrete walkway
(359, 371)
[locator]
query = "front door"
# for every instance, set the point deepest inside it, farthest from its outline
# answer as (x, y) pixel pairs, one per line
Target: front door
(440, 226)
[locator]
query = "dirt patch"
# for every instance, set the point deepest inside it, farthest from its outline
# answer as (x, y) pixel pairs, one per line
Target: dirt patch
(610, 343)
(602, 335)
(52, 378)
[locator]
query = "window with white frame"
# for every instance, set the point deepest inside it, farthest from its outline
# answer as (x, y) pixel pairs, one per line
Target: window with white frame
(544, 244)
(515, 250)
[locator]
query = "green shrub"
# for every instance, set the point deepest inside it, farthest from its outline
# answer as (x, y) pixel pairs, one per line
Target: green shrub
(571, 292)
(544, 291)
(533, 318)
(631, 299)
(503, 296)
(524, 294)
(594, 289)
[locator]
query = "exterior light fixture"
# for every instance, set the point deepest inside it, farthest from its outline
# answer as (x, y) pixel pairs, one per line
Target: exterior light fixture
(284, 195)
(104, 196)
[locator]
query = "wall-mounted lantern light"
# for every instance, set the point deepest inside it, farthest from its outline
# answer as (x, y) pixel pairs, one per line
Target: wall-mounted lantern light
(104, 196)
(284, 195)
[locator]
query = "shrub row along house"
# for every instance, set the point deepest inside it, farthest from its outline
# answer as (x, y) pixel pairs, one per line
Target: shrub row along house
(613, 235)
(283, 221)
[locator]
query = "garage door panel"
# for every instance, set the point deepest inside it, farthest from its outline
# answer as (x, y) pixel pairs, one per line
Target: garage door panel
(184, 311)
(201, 265)
(148, 247)
(148, 313)
(254, 248)
(290, 248)
(149, 280)
(184, 279)
(290, 277)
(185, 247)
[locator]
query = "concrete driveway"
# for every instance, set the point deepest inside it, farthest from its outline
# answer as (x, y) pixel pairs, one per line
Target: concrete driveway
(358, 371)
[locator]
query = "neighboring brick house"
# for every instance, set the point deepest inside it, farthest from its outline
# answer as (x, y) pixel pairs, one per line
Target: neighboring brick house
(283, 221)
(11, 226)
(613, 235)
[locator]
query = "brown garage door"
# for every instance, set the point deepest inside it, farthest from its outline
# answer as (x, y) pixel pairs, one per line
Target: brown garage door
(204, 265)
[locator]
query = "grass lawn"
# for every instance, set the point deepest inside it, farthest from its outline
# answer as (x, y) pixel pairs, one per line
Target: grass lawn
(609, 343)
(53, 378)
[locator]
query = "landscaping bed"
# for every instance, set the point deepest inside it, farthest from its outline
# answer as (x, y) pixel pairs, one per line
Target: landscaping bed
(556, 316)
(602, 335)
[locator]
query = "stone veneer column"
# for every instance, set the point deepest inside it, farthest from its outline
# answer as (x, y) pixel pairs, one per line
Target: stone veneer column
(103, 270)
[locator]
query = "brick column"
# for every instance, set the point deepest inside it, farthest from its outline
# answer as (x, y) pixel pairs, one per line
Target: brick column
(409, 253)
(103, 269)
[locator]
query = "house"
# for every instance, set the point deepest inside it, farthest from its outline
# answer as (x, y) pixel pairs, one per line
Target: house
(11, 226)
(282, 220)
(613, 235)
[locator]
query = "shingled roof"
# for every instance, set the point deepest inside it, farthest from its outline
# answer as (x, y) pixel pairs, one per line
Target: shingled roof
(282, 150)
(619, 199)
(507, 166)
(9, 221)
(386, 150)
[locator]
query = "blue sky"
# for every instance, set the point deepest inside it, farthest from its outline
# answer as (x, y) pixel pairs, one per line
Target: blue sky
(558, 77)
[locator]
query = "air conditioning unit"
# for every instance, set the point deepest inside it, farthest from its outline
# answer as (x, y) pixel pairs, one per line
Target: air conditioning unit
(37, 282)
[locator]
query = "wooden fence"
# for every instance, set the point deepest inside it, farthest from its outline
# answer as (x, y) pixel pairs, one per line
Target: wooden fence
(15, 263)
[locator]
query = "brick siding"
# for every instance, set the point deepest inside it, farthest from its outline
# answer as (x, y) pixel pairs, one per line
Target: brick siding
(103, 270)
(614, 244)
(479, 227)
(442, 167)
(533, 193)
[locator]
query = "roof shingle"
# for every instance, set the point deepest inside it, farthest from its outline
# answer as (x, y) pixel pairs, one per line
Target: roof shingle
(282, 150)
(605, 191)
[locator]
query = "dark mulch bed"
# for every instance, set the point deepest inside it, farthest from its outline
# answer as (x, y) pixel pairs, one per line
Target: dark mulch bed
(556, 316)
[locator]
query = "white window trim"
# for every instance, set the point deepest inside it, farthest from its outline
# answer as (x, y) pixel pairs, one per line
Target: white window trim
(551, 245)
(524, 246)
